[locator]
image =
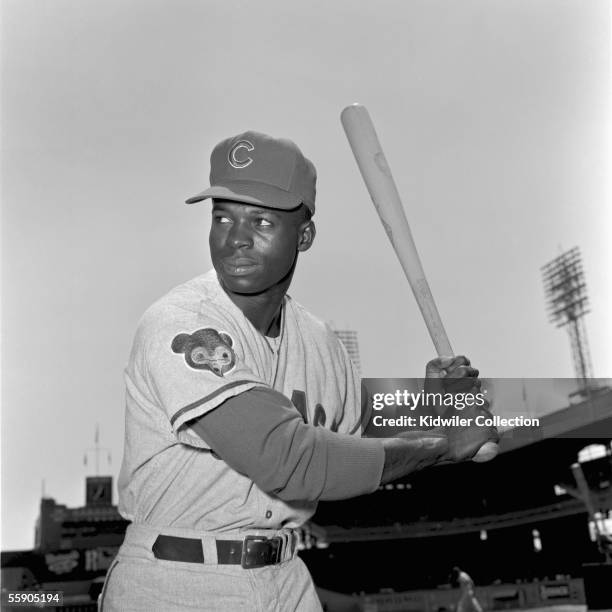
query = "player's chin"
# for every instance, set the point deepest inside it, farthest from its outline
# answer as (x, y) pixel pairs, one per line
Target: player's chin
(241, 284)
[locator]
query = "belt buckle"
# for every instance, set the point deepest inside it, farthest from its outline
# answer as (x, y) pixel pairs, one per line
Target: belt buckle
(258, 551)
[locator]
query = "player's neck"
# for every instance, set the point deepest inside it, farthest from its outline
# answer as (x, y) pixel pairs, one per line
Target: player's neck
(262, 309)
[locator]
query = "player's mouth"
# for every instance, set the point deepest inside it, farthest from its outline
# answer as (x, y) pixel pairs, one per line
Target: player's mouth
(239, 266)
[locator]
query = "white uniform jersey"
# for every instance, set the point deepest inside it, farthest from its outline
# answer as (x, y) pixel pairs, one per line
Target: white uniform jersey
(194, 349)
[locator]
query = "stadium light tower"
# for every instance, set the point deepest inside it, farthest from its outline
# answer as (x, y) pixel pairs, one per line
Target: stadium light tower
(568, 302)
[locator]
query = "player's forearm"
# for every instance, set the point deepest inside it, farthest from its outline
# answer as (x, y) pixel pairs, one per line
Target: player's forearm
(412, 452)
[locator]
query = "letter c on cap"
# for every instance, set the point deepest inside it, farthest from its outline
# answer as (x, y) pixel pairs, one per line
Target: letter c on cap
(240, 163)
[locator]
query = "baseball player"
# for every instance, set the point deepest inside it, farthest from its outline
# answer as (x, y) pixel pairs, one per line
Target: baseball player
(467, 601)
(243, 409)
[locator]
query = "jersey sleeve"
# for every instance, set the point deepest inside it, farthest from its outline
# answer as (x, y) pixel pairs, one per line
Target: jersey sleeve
(190, 366)
(261, 435)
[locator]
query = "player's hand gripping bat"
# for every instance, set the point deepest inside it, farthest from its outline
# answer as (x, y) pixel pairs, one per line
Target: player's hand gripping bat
(379, 181)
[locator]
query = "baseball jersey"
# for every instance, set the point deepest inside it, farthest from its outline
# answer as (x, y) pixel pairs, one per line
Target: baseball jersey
(194, 349)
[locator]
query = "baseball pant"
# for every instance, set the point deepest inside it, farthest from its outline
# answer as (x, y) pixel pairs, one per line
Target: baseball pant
(137, 581)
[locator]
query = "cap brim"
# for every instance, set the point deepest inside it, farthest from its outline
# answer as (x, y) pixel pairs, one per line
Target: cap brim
(258, 194)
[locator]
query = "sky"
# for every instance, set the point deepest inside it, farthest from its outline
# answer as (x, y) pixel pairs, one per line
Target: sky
(494, 117)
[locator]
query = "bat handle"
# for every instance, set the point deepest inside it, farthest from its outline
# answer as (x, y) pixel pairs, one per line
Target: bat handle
(443, 347)
(442, 344)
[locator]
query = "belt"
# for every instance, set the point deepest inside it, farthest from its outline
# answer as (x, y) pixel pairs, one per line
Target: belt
(250, 552)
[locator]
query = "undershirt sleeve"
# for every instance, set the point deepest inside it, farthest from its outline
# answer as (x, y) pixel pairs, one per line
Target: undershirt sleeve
(260, 434)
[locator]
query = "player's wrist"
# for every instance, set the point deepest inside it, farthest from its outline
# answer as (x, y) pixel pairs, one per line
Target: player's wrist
(411, 452)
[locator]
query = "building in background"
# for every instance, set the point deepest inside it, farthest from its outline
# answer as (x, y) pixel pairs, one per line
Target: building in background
(348, 337)
(97, 523)
(73, 548)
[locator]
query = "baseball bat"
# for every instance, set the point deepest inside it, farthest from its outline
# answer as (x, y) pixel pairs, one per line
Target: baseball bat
(383, 191)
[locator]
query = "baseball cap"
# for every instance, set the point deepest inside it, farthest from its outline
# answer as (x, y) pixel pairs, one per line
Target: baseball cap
(255, 168)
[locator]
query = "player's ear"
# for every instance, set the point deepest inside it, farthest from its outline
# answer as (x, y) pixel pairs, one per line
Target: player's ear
(179, 343)
(307, 234)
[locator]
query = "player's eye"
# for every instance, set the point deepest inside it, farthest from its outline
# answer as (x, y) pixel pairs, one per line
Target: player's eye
(261, 222)
(222, 219)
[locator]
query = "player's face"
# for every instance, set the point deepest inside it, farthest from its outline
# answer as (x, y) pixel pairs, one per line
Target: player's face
(253, 248)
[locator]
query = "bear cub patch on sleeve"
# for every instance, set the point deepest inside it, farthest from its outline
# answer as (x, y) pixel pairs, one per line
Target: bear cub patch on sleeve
(207, 349)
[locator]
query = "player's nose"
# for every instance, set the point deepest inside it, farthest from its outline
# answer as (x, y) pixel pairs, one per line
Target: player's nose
(240, 236)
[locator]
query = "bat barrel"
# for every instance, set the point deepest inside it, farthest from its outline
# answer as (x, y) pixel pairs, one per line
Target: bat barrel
(381, 186)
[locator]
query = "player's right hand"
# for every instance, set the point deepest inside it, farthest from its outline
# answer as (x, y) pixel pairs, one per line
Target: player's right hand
(464, 441)
(413, 450)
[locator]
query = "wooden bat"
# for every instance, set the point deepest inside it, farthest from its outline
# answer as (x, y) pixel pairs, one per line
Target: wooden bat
(379, 181)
